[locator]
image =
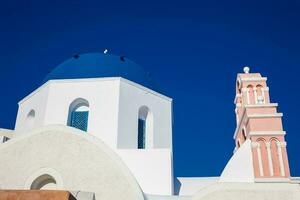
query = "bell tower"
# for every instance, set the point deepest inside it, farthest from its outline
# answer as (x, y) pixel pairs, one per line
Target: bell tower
(257, 120)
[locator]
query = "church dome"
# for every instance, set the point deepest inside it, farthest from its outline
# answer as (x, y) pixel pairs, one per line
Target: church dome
(97, 65)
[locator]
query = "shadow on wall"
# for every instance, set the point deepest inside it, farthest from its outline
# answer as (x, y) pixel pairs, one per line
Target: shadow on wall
(45, 181)
(177, 186)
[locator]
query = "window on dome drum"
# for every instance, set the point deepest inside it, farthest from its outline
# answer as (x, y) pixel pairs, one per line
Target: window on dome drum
(141, 133)
(79, 114)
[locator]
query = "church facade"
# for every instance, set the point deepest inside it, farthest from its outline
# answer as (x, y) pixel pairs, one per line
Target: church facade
(97, 128)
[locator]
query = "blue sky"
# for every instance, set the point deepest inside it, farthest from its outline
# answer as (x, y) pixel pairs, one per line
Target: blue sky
(192, 49)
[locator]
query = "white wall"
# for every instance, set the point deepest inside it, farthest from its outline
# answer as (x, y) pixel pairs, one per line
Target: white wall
(240, 166)
(113, 112)
(133, 97)
(188, 186)
(113, 117)
(152, 168)
(83, 163)
(249, 191)
(6, 133)
(51, 102)
(102, 96)
(36, 101)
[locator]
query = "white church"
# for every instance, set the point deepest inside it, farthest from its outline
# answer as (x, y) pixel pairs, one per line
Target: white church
(97, 129)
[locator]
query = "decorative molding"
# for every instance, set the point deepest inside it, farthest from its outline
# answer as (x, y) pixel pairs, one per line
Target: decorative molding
(283, 144)
(254, 144)
(274, 115)
(260, 165)
(255, 95)
(269, 133)
(254, 79)
(268, 145)
(271, 180)
(245, 89)
(248, 97)
(281, 165)
(262, 105)
(94, 80)
(264, 97)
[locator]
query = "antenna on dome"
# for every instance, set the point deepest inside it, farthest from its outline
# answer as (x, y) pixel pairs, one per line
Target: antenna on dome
(105, 51)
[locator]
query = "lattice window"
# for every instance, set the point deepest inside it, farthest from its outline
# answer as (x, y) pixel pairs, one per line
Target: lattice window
(79, 119)
(141, 134)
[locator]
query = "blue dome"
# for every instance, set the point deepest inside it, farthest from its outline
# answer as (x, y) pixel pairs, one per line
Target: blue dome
(97, 65)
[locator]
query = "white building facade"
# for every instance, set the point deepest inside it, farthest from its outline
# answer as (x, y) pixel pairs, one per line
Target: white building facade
(96, 124)
(114, 107)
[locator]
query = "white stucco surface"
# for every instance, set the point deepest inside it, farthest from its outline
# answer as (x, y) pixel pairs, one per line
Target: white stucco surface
(240, 167)
(6, 133)
(167, 197)
(114, 105)
(36, 101)
(76, 160)
(152, 168)
(132, 97)
(249, 191)
(188, 186)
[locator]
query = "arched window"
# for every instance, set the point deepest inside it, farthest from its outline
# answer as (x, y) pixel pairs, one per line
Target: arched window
(275, 156)
(263, 156)
(44, 181)
(79, 114)
(250, 95)
(260, 95)
(145, 127)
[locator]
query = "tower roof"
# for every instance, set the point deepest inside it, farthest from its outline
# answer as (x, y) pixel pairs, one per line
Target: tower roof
(97, 65)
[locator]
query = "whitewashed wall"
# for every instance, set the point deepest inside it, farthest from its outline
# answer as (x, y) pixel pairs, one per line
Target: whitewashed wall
(152, 168)
(113, 117)
(133, 97)
(36, 101)
(189, 186)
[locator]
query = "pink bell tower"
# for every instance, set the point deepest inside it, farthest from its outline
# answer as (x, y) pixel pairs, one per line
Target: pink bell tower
(258, 121)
